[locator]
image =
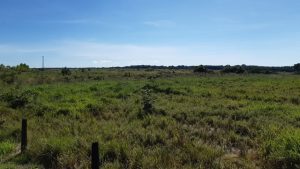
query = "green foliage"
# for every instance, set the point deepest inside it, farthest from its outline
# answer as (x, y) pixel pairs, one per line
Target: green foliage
(297, 67)
(2, 67)
(200, 69)
(6, 147)
(66, 71)
(154, 118)
(283, 151)
(48, 151)
(22, 67)
(147, 102)
(94, 109)
(8, 77)
(233, 69)
(18, 99)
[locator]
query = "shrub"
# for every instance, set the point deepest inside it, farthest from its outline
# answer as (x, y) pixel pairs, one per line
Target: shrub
(123, 158)
(22, 67)
(8, 77)
(95, 110)
(153, 139)
(64, 112)
(234, 69)
(18, 99)
(47, 151)
(41, 110)
(111, 154)
(66, 71)
(6, 147)
(202, 155)
(147, 104)
(156, 89)
(297, 67)
(200, 69)
(283, 151)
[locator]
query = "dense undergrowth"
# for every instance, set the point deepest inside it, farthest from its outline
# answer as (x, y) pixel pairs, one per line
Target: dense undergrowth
(152, 119)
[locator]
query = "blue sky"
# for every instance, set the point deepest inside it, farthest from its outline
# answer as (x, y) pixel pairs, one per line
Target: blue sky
(102, 33)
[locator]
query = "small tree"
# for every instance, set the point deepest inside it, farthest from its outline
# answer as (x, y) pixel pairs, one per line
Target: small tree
(240, 70)
(297, 67)
(22, 67)
(66, 71)
(227, 69)
(200, 69)
(234, 69)
(2, 67)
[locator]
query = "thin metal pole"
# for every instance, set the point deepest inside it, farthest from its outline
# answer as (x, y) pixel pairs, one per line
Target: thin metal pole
(43, 62)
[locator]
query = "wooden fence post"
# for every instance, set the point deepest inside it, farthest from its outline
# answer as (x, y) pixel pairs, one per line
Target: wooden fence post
(24, 135)
(95, 156)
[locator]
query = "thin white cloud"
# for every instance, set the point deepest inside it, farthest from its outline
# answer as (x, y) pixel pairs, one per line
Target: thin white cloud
(233, 24)
(160, 23)
(95, 62)
(74, 21)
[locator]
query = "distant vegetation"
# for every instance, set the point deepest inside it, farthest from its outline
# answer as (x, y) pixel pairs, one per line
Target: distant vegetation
(297, 67)
(65, 71)
(226, 68)
(201, 69)
(219, 117)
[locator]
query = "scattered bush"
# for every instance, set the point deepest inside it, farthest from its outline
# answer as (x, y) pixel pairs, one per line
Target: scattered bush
(147, 104)
(64, 112)
(42, 110)
(18, 99)
(6, 147)
(66, 71)
(8, 77)
(95, 110)
(283, 152)
(47, 152)
(22, 67)
(110, 154)
(233, 69)
(200, 69)
(297, 67)
(124, 159)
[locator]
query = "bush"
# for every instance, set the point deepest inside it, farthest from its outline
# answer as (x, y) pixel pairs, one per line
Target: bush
(147, 104)
(6, 147)
(47, 152)
(123, 158)
(95, 110)
(18, 99)
(234, 69)
(201, 155)
(200, 69)
(22, 67)
(8, 77)
(283, 151)
(297, 67)
(66, 71)
(64, 112)
(41, 110)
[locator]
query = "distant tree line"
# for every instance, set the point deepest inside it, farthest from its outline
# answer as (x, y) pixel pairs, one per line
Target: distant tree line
(197, 69)
(224, 69)
(297, 67)
(21, 67)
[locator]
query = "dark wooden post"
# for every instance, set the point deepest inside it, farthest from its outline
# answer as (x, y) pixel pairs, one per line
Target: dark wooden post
(24, 135)
(95, 156)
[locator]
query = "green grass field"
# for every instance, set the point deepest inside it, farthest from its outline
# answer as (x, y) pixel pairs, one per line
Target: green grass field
(151, 119)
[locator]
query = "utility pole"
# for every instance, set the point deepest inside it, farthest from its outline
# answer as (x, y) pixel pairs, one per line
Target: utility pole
(43, 68)
(43, 62)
